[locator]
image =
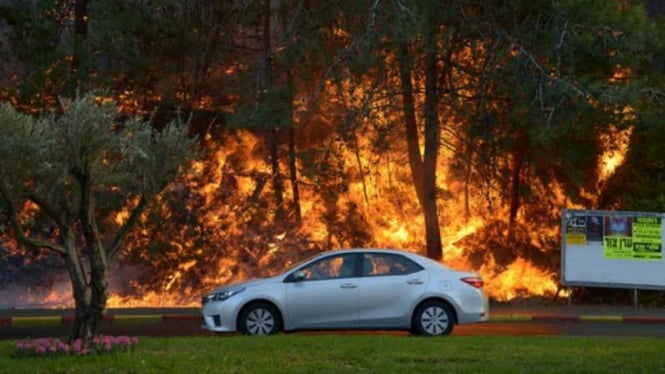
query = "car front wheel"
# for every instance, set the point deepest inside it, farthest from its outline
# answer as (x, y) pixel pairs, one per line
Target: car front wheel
(433, 318)
(259, 319)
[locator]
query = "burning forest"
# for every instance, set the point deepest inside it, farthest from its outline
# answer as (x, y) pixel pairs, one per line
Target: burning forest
(215, 225)
(302, 158)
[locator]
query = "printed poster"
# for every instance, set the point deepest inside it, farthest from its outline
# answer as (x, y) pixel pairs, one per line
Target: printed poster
(576, 230)
(594, 228)
(647, 238)
(636, 238)
(618, 240)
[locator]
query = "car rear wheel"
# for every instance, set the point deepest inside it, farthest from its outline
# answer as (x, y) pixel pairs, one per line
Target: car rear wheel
(259, 319)
(433, 318)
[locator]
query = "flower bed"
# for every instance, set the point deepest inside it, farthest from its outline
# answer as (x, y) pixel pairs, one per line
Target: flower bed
(51, 347)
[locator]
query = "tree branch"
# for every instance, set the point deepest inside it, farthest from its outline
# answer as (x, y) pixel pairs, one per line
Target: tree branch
(18, 230)
(47, 209)
(116, 245)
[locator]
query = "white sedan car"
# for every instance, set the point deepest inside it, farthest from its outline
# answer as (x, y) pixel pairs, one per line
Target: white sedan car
(351, 289)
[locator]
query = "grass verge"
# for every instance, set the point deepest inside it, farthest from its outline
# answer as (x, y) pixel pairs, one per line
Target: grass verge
(328, 353)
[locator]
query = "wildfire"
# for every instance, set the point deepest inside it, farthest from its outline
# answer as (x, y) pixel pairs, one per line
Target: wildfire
(384, 206)
(381, 208)
(368, 201)
(519, 279)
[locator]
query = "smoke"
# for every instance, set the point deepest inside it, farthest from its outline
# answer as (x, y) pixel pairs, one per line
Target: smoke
(40, 284)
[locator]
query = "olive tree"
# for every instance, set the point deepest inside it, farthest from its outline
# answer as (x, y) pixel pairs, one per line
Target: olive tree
(65, 176)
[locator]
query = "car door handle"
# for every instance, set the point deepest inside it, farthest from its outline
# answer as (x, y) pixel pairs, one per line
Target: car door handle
(348, 285)
(415, 281)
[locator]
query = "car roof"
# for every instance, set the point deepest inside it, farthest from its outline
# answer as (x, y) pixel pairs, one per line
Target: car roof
(426, 262)
(411, 255)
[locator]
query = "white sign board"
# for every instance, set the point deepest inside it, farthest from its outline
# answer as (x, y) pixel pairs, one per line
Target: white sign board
(612, 249)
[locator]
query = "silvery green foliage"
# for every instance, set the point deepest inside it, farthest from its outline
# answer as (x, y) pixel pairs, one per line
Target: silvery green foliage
(22, 152)
(152, 157)
(52, 156)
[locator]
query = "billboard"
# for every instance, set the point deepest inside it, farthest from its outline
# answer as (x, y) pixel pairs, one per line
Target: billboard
(612, 249)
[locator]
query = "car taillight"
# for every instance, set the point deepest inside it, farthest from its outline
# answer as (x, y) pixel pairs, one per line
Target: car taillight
(474, 281)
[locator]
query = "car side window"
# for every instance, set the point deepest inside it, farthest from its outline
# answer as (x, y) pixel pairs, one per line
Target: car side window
(342, 266)
(377, 264)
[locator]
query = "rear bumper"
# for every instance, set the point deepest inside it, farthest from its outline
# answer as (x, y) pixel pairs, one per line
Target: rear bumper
(479, 313)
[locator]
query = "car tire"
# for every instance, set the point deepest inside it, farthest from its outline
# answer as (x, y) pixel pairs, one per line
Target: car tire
(433, 318)
(259, 319)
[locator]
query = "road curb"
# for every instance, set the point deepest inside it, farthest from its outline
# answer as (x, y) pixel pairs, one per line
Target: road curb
(148, 318)
(575, 318)
(14, 321)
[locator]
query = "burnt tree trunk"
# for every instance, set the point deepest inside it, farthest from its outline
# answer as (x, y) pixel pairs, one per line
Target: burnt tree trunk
(273, 132)
(518, 154)
(423, 169)
(467, 182)
(293, 170)
(278, 188)
(432, 135)
(410, 124)
(78, 72)
(291, 130)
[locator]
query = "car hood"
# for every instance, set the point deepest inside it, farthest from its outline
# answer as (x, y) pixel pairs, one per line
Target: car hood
(247, 283)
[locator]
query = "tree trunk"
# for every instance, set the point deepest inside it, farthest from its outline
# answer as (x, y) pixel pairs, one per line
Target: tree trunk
(85, 317)
(294, 176)
(78, 73)
(432, 135)
(89, 295)
(467, 182)
(291, 132)
(518, 154)
(83, 327)
(277, 185)
(423, 170)
(356, 151)
(411, 127)
(273, 141)
(89, 311)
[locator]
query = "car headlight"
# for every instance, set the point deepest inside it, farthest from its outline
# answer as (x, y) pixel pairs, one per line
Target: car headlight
(222, 295)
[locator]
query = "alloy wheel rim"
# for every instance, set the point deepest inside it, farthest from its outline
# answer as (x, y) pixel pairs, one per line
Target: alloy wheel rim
(434, 320)
(260, 322)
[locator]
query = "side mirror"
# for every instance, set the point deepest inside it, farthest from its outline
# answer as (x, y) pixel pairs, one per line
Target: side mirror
(299, 276)
(296, 276)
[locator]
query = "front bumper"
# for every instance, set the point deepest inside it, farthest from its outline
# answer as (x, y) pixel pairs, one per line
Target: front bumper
(219, 316)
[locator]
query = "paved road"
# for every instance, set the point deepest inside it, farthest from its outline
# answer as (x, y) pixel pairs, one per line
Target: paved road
(505, 321)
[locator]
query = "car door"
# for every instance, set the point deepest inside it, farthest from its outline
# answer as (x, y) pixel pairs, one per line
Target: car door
(324, 294)
(390, 287)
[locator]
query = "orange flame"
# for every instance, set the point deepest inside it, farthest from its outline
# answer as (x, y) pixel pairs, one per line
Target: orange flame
(377, 198)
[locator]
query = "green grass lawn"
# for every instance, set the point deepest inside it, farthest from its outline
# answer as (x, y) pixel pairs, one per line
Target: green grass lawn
(330, 353)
